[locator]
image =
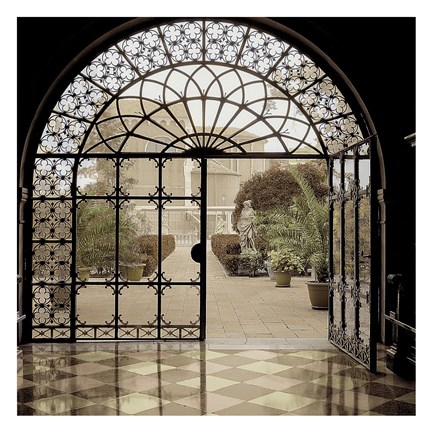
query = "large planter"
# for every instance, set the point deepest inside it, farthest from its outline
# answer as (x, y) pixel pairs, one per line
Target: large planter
(83, 273)
(132, 272)
(318, 294)
(283, 279)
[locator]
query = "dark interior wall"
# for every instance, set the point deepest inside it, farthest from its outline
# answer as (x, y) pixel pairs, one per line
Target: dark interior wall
(377, 55)
(45, 46)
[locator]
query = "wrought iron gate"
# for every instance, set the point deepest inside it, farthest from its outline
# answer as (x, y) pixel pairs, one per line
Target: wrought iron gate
(169, 301)
(354, 287)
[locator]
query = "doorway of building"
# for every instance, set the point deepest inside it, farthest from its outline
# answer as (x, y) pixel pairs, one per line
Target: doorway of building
(172, 90)
(243, 301)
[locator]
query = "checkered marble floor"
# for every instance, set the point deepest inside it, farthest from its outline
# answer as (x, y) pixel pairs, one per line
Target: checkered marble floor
(193, 379)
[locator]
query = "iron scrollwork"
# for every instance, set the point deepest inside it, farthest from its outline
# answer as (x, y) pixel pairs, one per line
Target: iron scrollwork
(352, 333)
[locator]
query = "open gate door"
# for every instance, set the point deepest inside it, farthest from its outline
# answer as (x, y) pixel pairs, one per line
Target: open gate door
(353, 220)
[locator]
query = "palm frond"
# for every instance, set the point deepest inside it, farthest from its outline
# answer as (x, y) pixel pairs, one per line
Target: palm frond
(311, 219)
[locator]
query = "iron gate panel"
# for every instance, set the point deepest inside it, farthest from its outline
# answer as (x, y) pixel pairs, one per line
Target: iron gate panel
(353, 292)
(110, 304)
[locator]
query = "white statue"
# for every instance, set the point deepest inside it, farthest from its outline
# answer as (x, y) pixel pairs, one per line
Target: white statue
(246, 227)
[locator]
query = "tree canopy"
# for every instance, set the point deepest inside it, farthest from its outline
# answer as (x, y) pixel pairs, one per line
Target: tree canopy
(276, 187)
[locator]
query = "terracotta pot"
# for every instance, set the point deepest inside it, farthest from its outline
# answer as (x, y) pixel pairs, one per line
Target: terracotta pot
(283, 279)
(132, 272)
(83, 273)
(318, 294)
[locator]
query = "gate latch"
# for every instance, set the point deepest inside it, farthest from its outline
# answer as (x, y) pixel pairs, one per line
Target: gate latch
(197, 252)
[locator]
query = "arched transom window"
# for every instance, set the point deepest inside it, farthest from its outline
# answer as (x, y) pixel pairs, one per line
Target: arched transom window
(210, 81)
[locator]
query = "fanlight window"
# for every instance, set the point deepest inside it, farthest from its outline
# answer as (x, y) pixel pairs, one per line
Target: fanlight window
(209, 79)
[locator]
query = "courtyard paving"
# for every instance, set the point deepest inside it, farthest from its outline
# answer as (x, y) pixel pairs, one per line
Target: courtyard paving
(248, 307)
(239, 309)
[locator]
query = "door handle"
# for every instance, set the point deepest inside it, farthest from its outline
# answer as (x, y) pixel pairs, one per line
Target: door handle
(197, 252)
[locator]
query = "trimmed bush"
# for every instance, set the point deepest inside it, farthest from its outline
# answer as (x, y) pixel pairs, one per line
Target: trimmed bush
(231, 264)
(227, 249)
(225, 244)
(148, 247)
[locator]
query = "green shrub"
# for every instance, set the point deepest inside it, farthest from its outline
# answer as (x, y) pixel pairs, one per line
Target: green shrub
(225, 244)
(231, 264)
(168, 245)
(252, 261)
(227, 249)
(150, 262)
(277, 187)
(148, 247)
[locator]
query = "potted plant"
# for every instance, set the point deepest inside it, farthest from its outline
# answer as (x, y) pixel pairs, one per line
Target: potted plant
(285, 264)
(130, 263)
(251, 262)
(273, 225)
(310, 236)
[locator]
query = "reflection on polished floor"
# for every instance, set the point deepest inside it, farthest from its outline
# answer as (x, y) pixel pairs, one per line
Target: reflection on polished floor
(194, 379)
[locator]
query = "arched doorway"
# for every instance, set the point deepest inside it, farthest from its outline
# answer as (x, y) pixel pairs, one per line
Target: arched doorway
(215, 81)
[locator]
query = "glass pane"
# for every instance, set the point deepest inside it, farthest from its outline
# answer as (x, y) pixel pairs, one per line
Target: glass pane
(364, 149)
(364, 173)
(139, 177)
(349, 240)
(349, 312)
(181, 177)
(364, 166)
(130, 262)
(51, 305)
(52, 220)
(52, 177)
(336, 239)
(96, 176)
(138, 306)
(138, 246)
(52, 262)
(349, 266)
(336, 263)
(348, 172)
(96, 226)
(336, 175)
